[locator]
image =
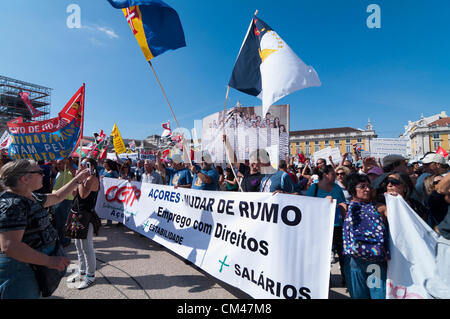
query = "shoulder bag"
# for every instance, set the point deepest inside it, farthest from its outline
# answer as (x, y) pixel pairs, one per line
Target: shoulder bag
(48, 279)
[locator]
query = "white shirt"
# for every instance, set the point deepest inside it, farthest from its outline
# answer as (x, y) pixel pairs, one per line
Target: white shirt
(153, 178)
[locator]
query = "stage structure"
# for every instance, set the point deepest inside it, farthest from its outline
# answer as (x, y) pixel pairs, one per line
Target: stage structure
(12, 106)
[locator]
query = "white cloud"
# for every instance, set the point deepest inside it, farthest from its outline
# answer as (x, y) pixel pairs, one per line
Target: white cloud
(109, 32)
(105, 30)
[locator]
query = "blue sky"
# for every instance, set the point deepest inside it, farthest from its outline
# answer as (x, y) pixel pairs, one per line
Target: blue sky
(390, 75)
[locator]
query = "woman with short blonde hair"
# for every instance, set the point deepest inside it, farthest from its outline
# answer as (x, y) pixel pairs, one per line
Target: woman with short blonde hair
(26, 234)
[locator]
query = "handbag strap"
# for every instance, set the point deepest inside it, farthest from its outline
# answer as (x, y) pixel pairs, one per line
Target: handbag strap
(316, 190)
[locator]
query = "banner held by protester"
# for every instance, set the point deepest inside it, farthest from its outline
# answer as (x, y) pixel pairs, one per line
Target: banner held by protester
(416, 269)
(51, 139)
(270, 243)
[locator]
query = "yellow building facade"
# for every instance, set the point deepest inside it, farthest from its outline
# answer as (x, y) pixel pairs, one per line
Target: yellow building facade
(310, 141)
(429, 137)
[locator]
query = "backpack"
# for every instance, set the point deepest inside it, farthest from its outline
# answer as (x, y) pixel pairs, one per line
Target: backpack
(365, 234)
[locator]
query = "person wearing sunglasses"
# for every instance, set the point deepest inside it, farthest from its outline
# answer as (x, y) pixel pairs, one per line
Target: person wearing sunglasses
(26, 233)
(365, 240)
(341, 173)
(399, 184)
(435, 202)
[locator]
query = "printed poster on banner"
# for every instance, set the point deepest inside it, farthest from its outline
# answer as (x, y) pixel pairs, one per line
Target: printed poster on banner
(266, 245)
(51, 139)
(247, 131)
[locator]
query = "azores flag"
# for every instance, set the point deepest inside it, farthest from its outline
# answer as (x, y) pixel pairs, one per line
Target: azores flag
(267, 67)
(155, 25)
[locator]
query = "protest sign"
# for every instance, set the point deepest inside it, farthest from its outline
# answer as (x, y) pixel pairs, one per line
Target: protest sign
(415, 270)
(123, 156)
(246, 131)
(51, 139)
(326, 153)
(381, 147)
(265, 245)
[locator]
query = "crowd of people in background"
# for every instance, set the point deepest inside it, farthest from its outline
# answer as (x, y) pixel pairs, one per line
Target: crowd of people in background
(360, 235)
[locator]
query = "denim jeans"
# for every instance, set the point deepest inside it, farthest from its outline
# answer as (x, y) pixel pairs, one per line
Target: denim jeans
(17, 280)
(365, 279)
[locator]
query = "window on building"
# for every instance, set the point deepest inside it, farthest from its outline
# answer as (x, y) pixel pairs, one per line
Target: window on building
(348, 148)
(359, 140)
(436, 136)
(316, 142)
(306, 143)
(347, 141)
(316, 148)
(336, 141)
(327, 142)
(436, 145)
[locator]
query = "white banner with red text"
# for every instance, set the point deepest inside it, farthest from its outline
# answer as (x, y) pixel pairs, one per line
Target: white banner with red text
(269, 246)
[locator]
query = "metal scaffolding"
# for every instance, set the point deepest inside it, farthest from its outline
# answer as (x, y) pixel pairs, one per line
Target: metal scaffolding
(12, 106)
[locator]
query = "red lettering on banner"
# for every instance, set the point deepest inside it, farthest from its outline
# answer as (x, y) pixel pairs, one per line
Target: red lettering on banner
(125, 194)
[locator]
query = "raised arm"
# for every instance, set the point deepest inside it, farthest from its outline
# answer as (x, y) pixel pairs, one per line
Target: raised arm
(66, 190)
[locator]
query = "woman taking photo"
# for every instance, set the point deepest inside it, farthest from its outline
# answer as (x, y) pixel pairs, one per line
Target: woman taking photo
(26, 234)
(82, 223)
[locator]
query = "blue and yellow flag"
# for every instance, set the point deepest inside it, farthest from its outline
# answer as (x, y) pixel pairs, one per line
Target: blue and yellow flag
(155, 25)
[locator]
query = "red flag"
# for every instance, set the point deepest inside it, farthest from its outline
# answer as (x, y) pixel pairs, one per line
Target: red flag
(103, 153)
(167, 131)
(165, 153)
(441, 151)
(26, 100)
(301, 158)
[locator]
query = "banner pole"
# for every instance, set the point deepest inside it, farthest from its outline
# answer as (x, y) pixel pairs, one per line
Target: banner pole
(223, 129)
(82, 125)
(224, 135)
(79, 157)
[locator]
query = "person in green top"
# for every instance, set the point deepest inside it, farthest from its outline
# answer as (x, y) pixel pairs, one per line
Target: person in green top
(66, 172)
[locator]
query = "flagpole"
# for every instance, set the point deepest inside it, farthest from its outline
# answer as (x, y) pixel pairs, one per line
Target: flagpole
(223, 134)
(167, 100)
(164, 93)
(223, 128)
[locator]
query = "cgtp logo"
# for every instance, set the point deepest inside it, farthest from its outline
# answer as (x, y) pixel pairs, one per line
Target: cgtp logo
(125, 194)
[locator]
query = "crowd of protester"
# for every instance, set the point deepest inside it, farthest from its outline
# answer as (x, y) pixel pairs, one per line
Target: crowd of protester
(359, 188)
